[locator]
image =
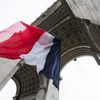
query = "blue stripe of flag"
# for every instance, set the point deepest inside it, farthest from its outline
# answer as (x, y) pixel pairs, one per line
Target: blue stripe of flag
(52, 64)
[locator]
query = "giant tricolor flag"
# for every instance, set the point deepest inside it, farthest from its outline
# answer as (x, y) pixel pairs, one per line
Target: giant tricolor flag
(35, 46)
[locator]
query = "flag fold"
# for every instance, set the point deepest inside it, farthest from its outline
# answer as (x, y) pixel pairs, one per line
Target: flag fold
(35, 46)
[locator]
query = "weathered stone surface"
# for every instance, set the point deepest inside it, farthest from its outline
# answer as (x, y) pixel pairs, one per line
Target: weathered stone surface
(87, 9)
(7, 70)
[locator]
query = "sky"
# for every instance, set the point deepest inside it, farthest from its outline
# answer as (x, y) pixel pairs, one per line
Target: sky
(21, 10)
(8, 91)
(81, 78)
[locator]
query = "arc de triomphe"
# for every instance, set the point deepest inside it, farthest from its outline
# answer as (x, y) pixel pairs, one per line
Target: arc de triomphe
(78, 35)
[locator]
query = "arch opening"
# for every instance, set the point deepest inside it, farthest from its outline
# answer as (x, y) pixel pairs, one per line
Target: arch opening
(9, 90)
(81, 80)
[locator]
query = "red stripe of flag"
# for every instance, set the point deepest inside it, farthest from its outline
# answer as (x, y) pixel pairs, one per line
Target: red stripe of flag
(20, 42)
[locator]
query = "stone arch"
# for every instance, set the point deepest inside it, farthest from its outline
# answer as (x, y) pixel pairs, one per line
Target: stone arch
(74, 53)
(28, 82)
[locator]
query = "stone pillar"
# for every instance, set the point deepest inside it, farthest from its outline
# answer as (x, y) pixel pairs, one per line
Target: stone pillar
(86, 9)
(42, 89)
(52, 92)
(7, 69)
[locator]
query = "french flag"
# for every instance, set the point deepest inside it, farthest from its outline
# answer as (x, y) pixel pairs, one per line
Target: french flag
(35, 46)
